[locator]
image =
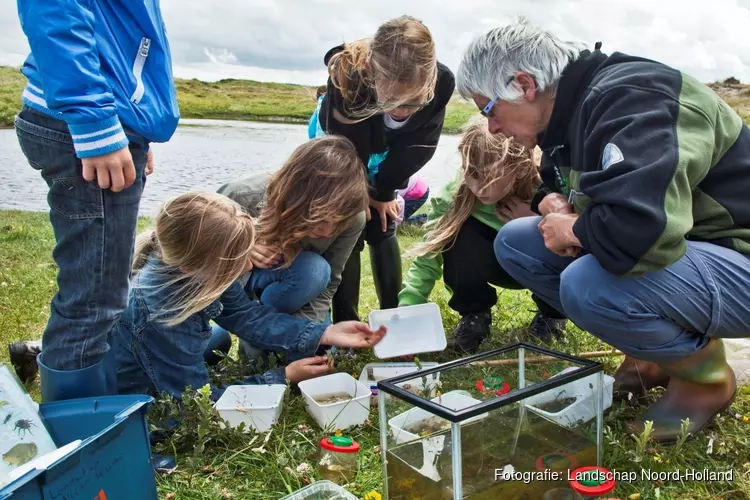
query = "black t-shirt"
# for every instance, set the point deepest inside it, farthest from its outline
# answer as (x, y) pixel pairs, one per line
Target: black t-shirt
(409, 147)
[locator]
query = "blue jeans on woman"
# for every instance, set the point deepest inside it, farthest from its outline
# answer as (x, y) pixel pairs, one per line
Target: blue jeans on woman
(663, 316)
(285, 289)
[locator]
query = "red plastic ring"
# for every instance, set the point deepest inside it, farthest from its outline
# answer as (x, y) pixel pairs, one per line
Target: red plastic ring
(504, 389)
(601, 489)
(326, 443)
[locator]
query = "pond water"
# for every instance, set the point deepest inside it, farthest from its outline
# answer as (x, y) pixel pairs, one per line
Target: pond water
(202, 154)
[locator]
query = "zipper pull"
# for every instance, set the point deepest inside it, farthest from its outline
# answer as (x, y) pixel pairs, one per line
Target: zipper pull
(145, 45)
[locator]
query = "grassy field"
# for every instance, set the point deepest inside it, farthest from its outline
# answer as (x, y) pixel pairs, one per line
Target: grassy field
(215, 463)
(228, 100)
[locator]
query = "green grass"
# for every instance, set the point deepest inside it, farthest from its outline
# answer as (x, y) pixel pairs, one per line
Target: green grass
(11, 86)
(228, 99)
(241, 465)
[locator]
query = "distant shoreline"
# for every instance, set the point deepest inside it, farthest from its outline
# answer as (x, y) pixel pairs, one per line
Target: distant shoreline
(247, 100)
(230, 99)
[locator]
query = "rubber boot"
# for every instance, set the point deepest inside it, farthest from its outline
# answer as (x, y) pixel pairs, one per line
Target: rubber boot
(345, 303)
(637, 377)
(97, 380)
(385, 259)
(700, 387)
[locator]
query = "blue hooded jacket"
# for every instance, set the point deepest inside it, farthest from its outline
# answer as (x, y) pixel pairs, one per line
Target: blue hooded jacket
(103, 67)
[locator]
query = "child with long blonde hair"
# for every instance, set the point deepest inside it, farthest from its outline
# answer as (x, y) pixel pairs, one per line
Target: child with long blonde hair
(387, 94)
(185, 274)
(310, 213)
(496, 183)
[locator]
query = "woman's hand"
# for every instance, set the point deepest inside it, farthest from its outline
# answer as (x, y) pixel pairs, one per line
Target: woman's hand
(385, 209)
(515, 208)
(264, 257)
(352, 334)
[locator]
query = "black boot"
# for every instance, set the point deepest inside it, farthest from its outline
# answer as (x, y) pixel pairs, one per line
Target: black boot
(544, 328)
(23, 358)
(470, 332)
(345, 302)
(385, 259)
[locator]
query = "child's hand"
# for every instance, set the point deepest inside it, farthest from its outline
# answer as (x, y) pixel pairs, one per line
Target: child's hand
(515, 208)
(113, 170)
(149, 162)
(555, 203)
(385, 209)
(263, 257)
(352, 334)
(307, 368)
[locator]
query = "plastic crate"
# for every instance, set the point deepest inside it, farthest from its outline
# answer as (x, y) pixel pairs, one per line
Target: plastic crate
(113, 461)
(321, 490)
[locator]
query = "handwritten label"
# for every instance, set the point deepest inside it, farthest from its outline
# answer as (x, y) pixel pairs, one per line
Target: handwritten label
(82, 479)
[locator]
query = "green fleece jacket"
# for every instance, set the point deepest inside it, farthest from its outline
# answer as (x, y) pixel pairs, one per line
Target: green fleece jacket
(425, 271)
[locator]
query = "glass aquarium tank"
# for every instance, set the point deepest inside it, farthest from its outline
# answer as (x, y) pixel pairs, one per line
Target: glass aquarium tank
(510, 423)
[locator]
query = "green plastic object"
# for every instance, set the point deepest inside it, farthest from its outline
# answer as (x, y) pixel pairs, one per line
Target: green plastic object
(592, 478)
(493, 383)
(341, 441)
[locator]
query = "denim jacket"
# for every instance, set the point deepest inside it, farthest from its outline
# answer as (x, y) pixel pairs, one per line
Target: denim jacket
(153, 357)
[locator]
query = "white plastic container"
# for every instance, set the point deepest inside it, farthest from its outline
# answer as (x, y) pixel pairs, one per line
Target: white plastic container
(258, 406)
(432, 446)
(372, 373)
(582, 409)
(339, 415)
(411, 330)
(321, 490)
(455, 400)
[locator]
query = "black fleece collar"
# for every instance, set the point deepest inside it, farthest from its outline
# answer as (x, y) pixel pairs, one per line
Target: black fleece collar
(575, 79)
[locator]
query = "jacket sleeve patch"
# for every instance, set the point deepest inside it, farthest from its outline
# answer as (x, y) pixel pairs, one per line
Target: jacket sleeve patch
(611, 156)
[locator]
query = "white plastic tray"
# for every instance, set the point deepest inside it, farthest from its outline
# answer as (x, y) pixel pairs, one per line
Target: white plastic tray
(432, 446)
(321, 490)
(455, 400)
(258, 406)
(582, 409)
(341, 415)
(382, 371)
(411, 330)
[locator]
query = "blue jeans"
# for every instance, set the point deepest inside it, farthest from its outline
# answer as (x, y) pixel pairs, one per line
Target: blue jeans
(663, 316)
(94, 233)
(411, 206)
(286, 290)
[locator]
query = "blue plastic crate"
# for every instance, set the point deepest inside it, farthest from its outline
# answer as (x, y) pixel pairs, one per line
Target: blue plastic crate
(113, 461)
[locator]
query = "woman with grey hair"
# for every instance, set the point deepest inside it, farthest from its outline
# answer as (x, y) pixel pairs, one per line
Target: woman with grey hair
(644, 234)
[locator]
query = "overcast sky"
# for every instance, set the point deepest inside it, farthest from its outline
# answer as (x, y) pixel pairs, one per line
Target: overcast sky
(285, 40)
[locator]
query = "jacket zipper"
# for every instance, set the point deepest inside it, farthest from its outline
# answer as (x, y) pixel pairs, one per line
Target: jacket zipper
(140, 60)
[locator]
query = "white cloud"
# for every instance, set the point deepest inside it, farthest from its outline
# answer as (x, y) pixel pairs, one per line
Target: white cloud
(222, 56)
(285, 40)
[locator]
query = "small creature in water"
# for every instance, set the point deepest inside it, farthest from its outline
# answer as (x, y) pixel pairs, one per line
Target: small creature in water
(20, 453)
(7, 418)
(24, 425)
(3, 403)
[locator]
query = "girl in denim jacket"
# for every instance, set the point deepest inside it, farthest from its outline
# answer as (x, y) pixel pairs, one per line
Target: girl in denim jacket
(185, 274)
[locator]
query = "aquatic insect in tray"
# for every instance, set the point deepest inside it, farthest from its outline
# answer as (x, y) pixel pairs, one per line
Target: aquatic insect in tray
(7, 418)
(24, 425)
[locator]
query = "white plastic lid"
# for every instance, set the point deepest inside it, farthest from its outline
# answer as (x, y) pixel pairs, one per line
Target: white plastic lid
(411, 330)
